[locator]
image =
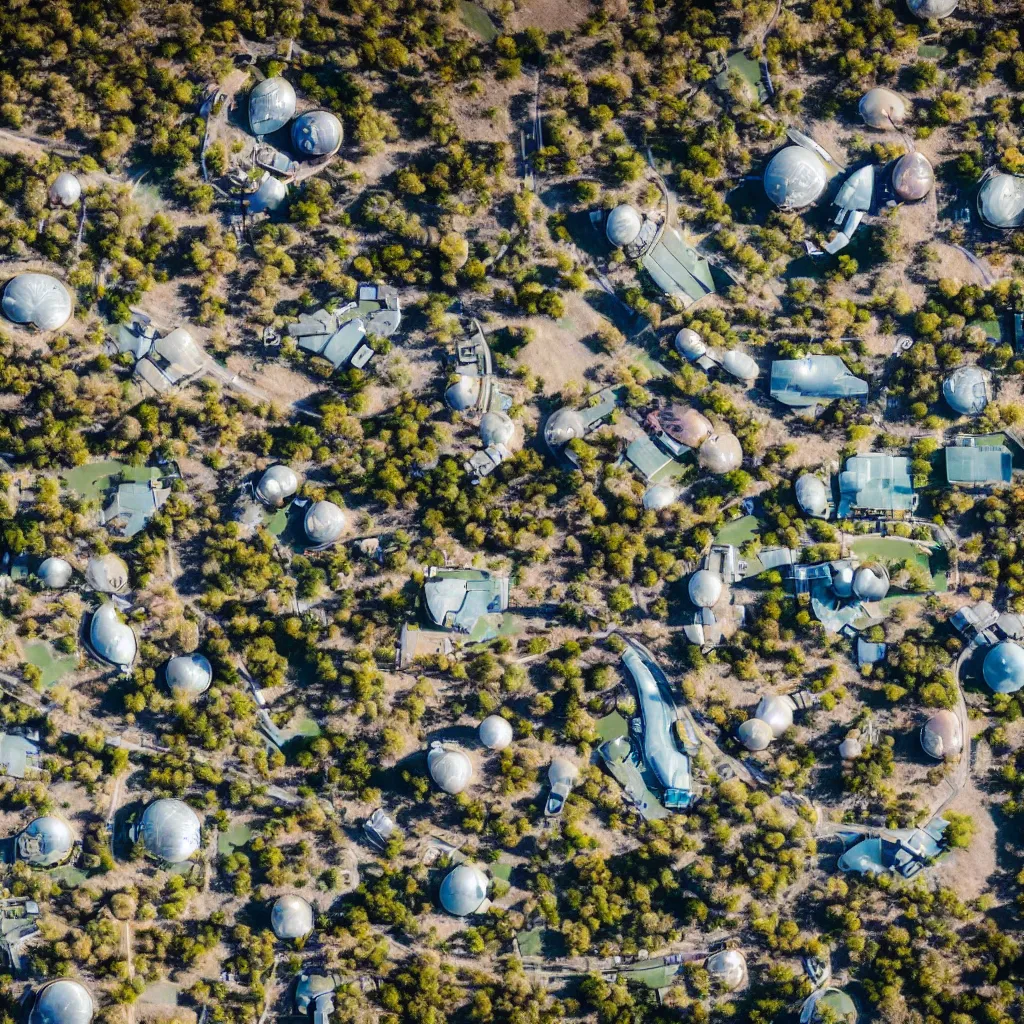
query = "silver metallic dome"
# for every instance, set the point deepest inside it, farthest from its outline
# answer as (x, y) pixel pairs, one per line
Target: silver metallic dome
(755, 734)
(271, 105)
(777, 711)
(450, 768)
(324, 522)
(741, 365)
(46, 842)
(932, 9)
(623, 225)
(727, 968)
(689, 344)
(842, 581)
(496, 428)
(562, 427)
(54, 573)
(463, 393)
(107, 574)
(882, 108)
(111, 639)
(794, 178)
(705, 588)
(317, 133)
(1003, 668)
(1001, 201)
(464, 890)
(277, 486)
(913, 177)
(189, 675)
(659, 496)
(291, 917)
(37, 299)
(66, 189)
(269, 196)
(941, 735)
(169, 830)
(495, 732)
(968, 390)
(720, 453)
(871, 582)
(811, 495)
(62, 1002)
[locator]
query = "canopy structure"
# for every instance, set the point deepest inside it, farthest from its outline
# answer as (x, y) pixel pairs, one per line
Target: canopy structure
(38, 300)
(876, 483)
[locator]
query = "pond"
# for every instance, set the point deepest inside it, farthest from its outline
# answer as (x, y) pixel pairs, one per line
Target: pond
(478, 21)
(53, 666)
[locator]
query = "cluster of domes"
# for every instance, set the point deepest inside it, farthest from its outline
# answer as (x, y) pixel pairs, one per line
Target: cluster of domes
(772, 717)
(692, 347)
(272, 105)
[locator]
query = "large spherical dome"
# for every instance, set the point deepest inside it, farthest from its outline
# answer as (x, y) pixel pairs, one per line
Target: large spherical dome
(721, 453)
(727, 968)
(941, 735)
(464, 890)
(496, 428)
(111, 639)
(794, 178)
(324, 522)
(562, 427)
(495, 732)
(967, 390)
(37, 299)
(777, 711)
(62, 1002)
(271, 105)
(705, 588)
(932, 9)
(451, 769)
(65, 190)
(291, 917)
(277, 486)
(46, 842)
(463, 393)
(689, 344)
(687, 426)
(755, 734)
(1001, 201)
(623, 225)
(811, 495)
(317, 133)
(871, 582)
(170, 830)
(189, 675)
(54, 573)
(882, 108)
(1003, 668)
(913, 177)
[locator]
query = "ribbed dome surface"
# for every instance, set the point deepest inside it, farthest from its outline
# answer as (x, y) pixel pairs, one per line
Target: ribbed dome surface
(291, 917)
(463, 890)
(317, 133)
(47, 841)
(170, 830)
(871, 582)
(271, 105)
(967, 390)
(705, 588)
(62, 1002)
(1003, 668)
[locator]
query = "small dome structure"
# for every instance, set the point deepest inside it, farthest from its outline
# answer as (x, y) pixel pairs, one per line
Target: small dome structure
(777, 711)
(496, 428)
(562, 427)
(685, 425)
(562, 772)
(659, 496)
(495, 732)
(968, 390)
(107, 574)
(1003, 668)
(189, 676)
(705, 588)
(463, 393)
(66, 189)
(913, 177)
(840, 1008)
(871, 582)
(623, 225)
(720, 453)
(323, 522)
(795, 178)
(271, 105)
(928, 10)
(291, 917)
(46, 842)
(842, 581)
(317, 133)
(941, 735)
(277, 486)
(850, 749)
(111, 639)
(62, 1002)
(37, 299)
(882, 108)
(811, 495)
(464, 890)
(169, 830)
(755, 734)
(742, 366)
(450, 768)
(54, 573)
(1001, 201)
(689, 344)
(727, 968)
(269, 196)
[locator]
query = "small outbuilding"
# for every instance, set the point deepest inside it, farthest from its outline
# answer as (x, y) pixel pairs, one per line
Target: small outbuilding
(941, 736)
(46, 842)
(189, 676)
(495, 732)
(37, 300)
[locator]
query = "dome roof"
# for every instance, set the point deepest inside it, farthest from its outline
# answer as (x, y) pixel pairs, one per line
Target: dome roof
(277, 486)
(189, 676)
(66, 189)
(941, 735)
(913, 177)
(562, 772)
(705, 588)
(936, 9)
(54, 573)
(62, 1002)
(464, 890)
(842, 581)
(37, 299)
(323, 522)
(871, 582)
(496, 428)
(113, 640)
(46, 841)
(271, 105)
(967, 390)
(450, 768)
(495, 732)
(685, 425)
(721, 453)
(317, 133)
(659, 496)
(291, 917)
(562, 426)
(755, 734)
(623, 225)
(463, 393)
(882, 108)
(740, 364)
(841, 1007)
(811, 495)
(794, 178)
(777, 711)
(1003, 668)
(1001, 200)
(170, 830)
(107, 574)
(689, 344)
(269, 196)
(850, 748)
(727, 968)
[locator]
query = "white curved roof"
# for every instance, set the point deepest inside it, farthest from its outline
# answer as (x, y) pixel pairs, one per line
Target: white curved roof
(705, 588)
(850, 748)
(563, 426)
(277, 485)
(170, 830)
(462, 394)
(689, 344)
(1003, 668)
(1001, 200)
(882, 108)
(496, 428)
(464, 890)
(269, 196)
(562, 772)
(728, 968)
(755, 734)
(794, 178)
(317, 133)
(450, 768)
(291, 917)
(738, 363)
(913, 177)
(62, 1002)
(46, 841)
(968, 390)
(107, 573)
(777, 711)
(271, 105)
(66, 189)
(936, 9)
(871, 582)
(811, 495)
(842, 581)
(941, 735)
(113, 640)
(623, 225)
(37, 299)
(323, 522)
(189, 675)
(721, 453)
(495, 732)
(659, 496)
(54, 572)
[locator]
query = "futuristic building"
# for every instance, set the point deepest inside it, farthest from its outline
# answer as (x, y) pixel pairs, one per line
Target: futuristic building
(941, 735)
(291, 917)
(61, 1002)
(112, 640)
(133, 503)
(705, 588)
(870, 582)
(189, 676)
(107, 574)
(795, 178)
(734, 361)
(844, 593)
(271, 106)
(812, 496)
(904, 852)
(720, 453)
(449, 767)
(169, 830)
(323, 523)
(777, 712)
(562, 776)
(316, 134)
(876, 484)
(813, 381)
(38, 300)
(270, 196)
(66, 189)
(496, 428)
(913, 177)
(495, 732)
(755, 734)
(1003, 668)
(727, 969)
(469, 601)
(928, 10)
(163, 361)
(626, 229)
(853, 201)
(277, 486)
(54, 573)
(828, 1004)
(464, 891)
(1001, 201)
(882, 108)
(46, 842)
(968, 390)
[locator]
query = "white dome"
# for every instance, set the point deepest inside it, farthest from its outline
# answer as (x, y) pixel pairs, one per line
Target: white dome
(495, 732)
(189, 676)
(317, 133)
(54, 573)
(46, 842)
(755, 734)
(811, 495)
(111, 639)
(913, 177)
(37, 299)
(562, 427)
(464, 890)
(623, 225)
(967, 390)
(871, 582)
(882, 108)
(324, 522)
(62, 1002)
(850, 749)
(727, 968)
(269, 196)
(451, 769)
(1003, 668)
(277, 486)
(721, 453)
(271, 105)
(941, 735)
(170, 830)
(689, 344)
(738, 363)
(1001, 200)
(66, 189)
(705, 588)
(463, 393)
(659, 496)
(291, 917)
(562, 772)
(794, 178)
(842, 581)
(496, 428)
(928, 9)
(777, 711)
(107, 574)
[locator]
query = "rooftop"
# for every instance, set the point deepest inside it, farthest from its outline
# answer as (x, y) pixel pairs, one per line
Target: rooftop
(876, 483)
(801, 383)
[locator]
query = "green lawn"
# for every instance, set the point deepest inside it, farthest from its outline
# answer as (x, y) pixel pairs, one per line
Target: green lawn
(739, 531)
(94, 479)
(54, 666)
(899, 549)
